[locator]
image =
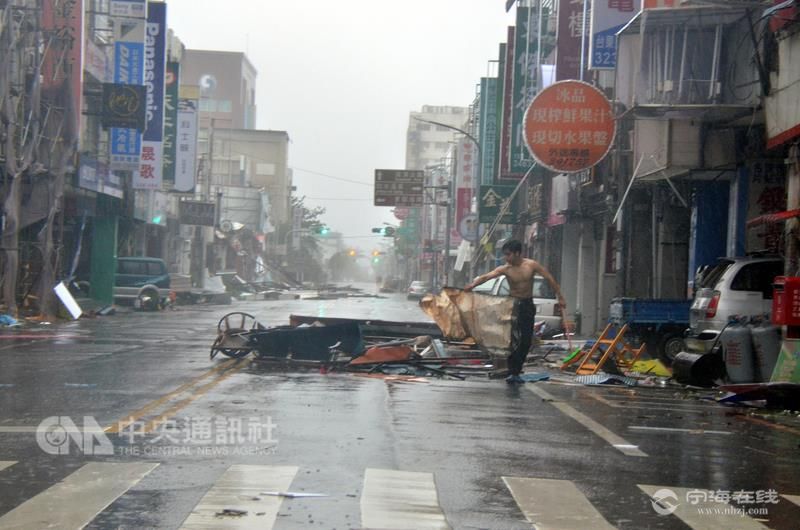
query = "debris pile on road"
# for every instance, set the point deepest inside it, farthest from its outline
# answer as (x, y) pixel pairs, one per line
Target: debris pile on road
(367, 346)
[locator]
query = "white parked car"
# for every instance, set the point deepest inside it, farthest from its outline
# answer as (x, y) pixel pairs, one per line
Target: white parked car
(418, 289)
(547, 308)
(734, 287)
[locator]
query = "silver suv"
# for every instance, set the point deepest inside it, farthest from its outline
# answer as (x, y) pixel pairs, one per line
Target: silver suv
(734, 287)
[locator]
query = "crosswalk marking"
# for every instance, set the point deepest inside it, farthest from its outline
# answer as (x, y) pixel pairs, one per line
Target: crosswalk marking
(708, 515)
(75, 501)
(792, 498)
(240, 488)
(400, 499)
(617, 442)
(5, 463)
(551, 504)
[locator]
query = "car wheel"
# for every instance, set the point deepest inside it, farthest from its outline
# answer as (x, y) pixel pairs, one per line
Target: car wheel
(148, 300)
(670, 346)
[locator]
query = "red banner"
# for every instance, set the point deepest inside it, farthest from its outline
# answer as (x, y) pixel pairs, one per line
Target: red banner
(62, 23)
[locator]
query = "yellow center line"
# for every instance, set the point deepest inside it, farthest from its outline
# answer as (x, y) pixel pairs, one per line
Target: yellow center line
(151, 426)
(134, 416)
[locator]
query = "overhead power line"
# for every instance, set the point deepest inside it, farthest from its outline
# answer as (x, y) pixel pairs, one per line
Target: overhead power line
(333, 177)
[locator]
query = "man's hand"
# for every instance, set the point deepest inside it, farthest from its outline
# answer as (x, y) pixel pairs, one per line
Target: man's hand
(468, 288)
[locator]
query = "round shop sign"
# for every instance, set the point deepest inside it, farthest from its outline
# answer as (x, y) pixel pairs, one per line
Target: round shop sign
(468, 228)
(569, 126)
(401, 213)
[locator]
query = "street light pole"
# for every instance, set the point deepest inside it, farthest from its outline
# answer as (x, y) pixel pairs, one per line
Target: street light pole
(465, 133)
(450, 191)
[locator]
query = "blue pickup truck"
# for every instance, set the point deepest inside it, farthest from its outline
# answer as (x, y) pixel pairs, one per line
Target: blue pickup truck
(660, 323)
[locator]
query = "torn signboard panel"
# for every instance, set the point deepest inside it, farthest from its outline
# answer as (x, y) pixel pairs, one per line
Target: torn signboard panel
(460, 314)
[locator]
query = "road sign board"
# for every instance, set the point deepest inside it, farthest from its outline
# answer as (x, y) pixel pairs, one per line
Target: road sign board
(196, 213)
(569, 126)
(399, 187)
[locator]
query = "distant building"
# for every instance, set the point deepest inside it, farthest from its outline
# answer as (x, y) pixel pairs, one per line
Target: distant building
(227, 82)
(427, 144)
(430, 147)
(251, 159)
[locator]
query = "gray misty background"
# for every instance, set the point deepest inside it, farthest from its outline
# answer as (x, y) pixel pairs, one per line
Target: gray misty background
(341, 78)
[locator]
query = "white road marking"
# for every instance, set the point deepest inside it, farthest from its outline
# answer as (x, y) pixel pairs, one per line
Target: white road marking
(25, 429)
(5, 463)
(675, 429)
(239, 488)
(400, 499)
(792, 498)
(75, 501)
(705, 515)
(617, 442)
(551, 504)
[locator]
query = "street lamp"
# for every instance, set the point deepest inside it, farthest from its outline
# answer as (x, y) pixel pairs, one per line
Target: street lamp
(465, 133)
(478, 176)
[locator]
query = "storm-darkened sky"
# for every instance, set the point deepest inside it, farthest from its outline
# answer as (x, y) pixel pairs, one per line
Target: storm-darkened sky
(341, 78)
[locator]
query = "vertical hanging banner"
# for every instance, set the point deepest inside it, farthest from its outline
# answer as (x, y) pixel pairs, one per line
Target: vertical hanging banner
(63, 59)
(568, 39)
(150, 174)
(126, 144)
(488, 132)
(466, 160)
(508, 96)
(607, 19)
(171, 120)
(525, 83)
(186, 151)
(501, 90)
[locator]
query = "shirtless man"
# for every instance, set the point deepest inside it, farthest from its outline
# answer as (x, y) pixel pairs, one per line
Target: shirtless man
(520, 272)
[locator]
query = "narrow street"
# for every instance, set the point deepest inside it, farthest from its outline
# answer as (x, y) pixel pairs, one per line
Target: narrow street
(192, 437)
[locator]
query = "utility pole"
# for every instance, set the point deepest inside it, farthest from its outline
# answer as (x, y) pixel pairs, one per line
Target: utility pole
(448, 227)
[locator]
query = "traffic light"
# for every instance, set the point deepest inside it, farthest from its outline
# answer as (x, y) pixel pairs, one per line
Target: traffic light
(351, 252)
(386, 231)
(322, 230)
(376, 253)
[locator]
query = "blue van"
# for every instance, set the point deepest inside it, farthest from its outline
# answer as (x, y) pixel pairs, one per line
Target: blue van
(143, 281)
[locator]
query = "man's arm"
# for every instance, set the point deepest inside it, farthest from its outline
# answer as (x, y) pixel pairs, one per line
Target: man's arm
(499, 271)
(544, 273)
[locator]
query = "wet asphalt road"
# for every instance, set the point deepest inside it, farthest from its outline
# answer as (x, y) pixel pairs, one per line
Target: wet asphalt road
(474, 454)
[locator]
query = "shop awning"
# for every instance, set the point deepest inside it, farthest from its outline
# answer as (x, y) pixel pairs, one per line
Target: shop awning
(697, 17)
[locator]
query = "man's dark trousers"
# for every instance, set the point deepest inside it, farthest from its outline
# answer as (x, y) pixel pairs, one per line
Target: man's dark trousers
(523, 316)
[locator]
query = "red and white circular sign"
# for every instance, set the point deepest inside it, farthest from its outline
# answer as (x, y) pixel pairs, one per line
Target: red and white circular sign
(569, 126)
(401, 212)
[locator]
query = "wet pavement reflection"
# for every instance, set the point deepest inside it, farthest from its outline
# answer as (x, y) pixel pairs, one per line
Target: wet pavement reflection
(469, 454)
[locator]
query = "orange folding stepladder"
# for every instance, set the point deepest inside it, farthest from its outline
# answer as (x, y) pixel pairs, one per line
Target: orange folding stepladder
(608, 345)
